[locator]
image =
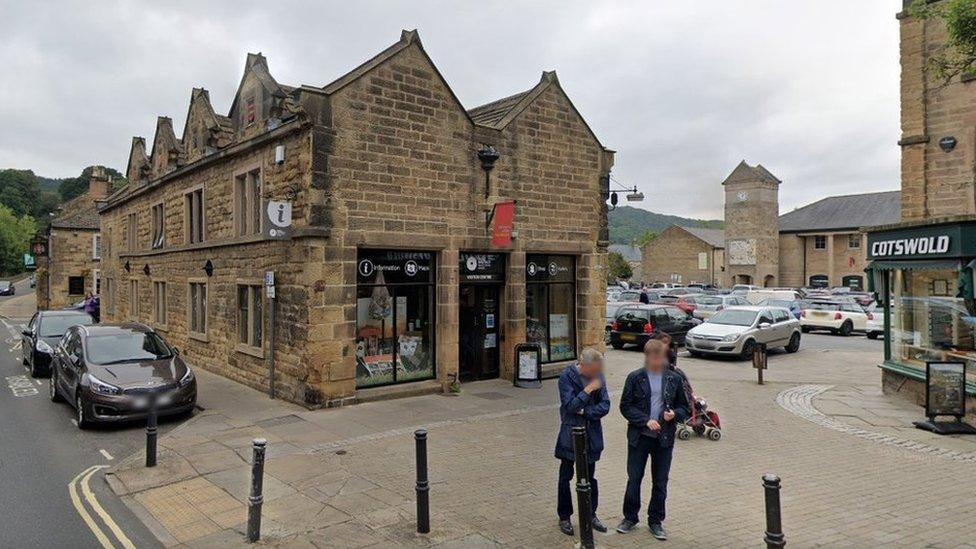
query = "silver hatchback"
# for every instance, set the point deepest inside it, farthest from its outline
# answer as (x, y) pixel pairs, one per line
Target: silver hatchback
(738, 330)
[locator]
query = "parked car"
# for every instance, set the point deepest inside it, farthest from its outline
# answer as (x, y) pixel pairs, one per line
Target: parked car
(794, 305)
(665, 285)
(687, 302)
(745, 287)
(635, 324)
(875, 327)
(33, 281)
(111, 373)
(843, 318)
(708, 305)
(42, 335)
(737, 331)
(6, 288)
(680, 291)
(757, 296)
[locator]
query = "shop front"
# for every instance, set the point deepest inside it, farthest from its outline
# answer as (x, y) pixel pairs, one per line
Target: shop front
(923, 274)
(482, 279)
(550, 305)
(394, 317)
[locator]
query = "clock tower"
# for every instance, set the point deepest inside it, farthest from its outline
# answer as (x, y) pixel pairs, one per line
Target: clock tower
(751, 226)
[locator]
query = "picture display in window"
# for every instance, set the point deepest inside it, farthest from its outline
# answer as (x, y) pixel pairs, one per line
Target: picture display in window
(247, 203)
(197, 311)
(250, 315)
(194, 213)
(158, 226)
(550, 305)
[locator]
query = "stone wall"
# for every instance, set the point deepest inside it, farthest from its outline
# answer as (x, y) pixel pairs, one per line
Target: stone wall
(70, 255)
(675, 252)
(753, 218)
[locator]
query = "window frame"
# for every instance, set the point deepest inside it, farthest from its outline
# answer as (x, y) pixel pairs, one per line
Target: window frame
(851, 239)
(188, 224)
(97, 246)
(157, 241)
(247, 215)
(817, 238)
(134, 299)
(75, 278)
(160, 321)
(132, 232)
(191, 332)
(254, 290)
(549, 284)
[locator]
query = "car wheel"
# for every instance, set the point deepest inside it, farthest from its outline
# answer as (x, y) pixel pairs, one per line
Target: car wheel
(80, 415)
(694, 354)
(617, 345)
(606, 337)
(872, 335)
(53, 388)
(794, 344)
(748, 348)
(846, 328)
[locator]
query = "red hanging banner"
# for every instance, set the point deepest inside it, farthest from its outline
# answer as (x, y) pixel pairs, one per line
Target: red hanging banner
(504, 218)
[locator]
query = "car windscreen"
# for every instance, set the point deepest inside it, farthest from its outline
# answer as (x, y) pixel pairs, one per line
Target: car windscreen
(733, 318)
(57, 325)
(4, 285)
(824, 306)
(126, 347)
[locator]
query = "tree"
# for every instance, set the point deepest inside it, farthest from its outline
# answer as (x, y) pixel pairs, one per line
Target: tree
(71, 187)
(646, 238)
(958, 55)
(617, 267)
(19, 191)
(15, 235)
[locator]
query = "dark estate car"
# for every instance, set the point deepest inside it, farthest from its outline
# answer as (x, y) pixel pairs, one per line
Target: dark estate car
(42, 335)
(111, 373)
(6, 288)
(635, 324)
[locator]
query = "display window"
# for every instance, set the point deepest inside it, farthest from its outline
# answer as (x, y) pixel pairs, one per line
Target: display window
(550, 305)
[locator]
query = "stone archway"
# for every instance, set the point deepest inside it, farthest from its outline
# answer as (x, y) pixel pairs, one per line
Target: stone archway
(769, 281)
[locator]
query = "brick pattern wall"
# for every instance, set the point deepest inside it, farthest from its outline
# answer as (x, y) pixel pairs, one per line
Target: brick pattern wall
(675, 251)
(70, 255)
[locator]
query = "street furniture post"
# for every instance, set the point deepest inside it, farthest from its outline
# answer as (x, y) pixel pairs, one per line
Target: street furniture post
(151, 432)
(423, 485)
(774, 537)
(256, 498)
(583, 488)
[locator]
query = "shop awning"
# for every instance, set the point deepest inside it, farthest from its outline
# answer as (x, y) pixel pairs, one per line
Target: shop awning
(924, 264)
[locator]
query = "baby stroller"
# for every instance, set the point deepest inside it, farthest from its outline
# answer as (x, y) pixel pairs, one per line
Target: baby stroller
(703, 422)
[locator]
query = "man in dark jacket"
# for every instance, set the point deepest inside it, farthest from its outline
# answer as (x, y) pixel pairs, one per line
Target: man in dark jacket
(583, 400)
(653, 402)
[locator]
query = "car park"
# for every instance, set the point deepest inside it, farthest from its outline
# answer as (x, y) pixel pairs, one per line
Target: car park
(635, 324)
(794, 305)
(839, 317)
(42, 335)
(115, 373)
(708, 305)
(737, 331)
(6, 288)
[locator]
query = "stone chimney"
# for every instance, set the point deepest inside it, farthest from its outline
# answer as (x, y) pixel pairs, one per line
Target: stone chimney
(100, 184)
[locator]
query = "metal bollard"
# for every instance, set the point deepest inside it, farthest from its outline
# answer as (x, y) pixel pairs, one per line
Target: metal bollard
(151, 435)
(583, 488)
(774, 526)
(256, 499)
(423, 486)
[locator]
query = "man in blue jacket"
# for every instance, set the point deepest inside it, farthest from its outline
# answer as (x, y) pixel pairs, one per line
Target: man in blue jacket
(653, 402)
(584, 400)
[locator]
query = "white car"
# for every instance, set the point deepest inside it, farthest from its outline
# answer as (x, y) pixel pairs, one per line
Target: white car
(876, 321)
(737, 331)
(841, 318)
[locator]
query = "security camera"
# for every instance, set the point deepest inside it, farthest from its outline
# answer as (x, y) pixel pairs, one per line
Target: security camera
(279, 155)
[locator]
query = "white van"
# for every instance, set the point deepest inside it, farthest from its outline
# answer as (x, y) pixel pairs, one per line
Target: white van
(756, 296)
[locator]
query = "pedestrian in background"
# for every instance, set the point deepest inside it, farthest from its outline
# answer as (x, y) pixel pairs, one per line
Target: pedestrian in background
(583, 400)
(653, 402)
(92, 306)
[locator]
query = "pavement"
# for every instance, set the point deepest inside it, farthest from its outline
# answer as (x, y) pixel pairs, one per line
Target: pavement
(855, 473)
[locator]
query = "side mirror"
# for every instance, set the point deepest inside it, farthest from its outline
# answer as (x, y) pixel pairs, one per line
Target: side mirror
(764, 325)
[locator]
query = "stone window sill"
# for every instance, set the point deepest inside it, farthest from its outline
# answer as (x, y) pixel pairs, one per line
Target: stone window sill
(199, 337)
(256, 352)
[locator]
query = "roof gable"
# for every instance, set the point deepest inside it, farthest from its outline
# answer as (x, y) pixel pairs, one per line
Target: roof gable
(166, 149)
(138, 167)
(746, 173)
(204, 131)
(259, 97)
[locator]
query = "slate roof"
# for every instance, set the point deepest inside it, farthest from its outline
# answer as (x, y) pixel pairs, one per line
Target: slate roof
(78, 213)
(713, 237)
(844, 212)
(492, 113)
(745, 172)
(631, 254)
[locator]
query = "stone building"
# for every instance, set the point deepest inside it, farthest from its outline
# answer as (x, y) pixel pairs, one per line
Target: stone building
(923, 265)
(683, 255)
(389, 274)
(752, 242)
(72, 266)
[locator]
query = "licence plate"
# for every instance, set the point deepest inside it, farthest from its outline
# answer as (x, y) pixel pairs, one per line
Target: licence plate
(628, 337)
(819, 314)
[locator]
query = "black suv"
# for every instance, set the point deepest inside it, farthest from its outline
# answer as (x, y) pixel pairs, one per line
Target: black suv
(635, 324)
(42, 335)
(115, 373)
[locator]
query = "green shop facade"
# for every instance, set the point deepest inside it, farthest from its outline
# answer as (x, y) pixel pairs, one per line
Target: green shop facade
(923, 274)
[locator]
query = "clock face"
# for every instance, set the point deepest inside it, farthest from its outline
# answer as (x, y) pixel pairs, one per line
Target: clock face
(742, 196)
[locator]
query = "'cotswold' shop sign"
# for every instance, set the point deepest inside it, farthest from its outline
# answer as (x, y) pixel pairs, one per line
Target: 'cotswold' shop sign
(902, 247)
(944, 241)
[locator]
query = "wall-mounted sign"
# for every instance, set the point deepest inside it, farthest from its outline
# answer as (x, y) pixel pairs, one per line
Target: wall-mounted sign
(919, 245)
(277, 220)
(549, 268)
(395, 266)
(503, 215)
(742, 252)
(528, 365)
(926, 242)
(39, 246)
(481, 267)
(29, 262)
(947, 143)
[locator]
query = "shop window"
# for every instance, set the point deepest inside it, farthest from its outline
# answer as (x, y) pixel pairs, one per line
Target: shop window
(194, 214)
(134, 299)
(928, 323)
(394, 317)
(197, 311)
(853, 241)
(550, 305)
(247, 203)
(159, 302)
(158, 226)
(250, 315)
(820, 242)
(76, 285)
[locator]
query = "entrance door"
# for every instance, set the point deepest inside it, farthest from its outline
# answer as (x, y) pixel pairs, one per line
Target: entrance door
(478, 318)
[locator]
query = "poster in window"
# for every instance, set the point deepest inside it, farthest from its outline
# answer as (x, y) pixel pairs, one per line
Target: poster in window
(702, 261)
(528, 367)
(559, 340)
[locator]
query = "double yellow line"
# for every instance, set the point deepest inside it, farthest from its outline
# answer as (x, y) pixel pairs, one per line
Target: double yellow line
(87, 496)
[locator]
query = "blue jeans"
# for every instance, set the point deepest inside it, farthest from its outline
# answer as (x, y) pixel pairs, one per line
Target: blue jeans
(564, 495)
(647, 447)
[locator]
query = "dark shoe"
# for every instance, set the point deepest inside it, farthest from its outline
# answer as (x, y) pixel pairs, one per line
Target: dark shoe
(566, 527)
(658, 531)
(626, 526)
(599, 526)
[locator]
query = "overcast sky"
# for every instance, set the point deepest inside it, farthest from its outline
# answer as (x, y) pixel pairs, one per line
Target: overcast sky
(681, 90)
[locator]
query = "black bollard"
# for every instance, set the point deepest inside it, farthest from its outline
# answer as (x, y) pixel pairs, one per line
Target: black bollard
(423, 486)
(774, 526)
(151, 434)
(256, 499)
(583, 488)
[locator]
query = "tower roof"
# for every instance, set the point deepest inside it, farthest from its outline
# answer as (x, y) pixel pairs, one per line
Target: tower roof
(746, 173)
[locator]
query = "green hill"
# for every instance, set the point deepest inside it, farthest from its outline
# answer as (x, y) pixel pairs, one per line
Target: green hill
(627, 223)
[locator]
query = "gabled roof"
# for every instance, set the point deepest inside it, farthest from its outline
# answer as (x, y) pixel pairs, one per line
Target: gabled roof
(713, 237)
(629, 252)
(256, 63)
(138, 159)
(490, 114)
(164, 137)
(78, 213)
(745, 172)
(844, 212)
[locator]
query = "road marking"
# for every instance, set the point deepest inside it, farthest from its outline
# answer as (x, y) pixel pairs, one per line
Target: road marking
(39, 382)
(100, 511)
(21, 386)
(74, 421)
(107, 455)
(80, 507)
